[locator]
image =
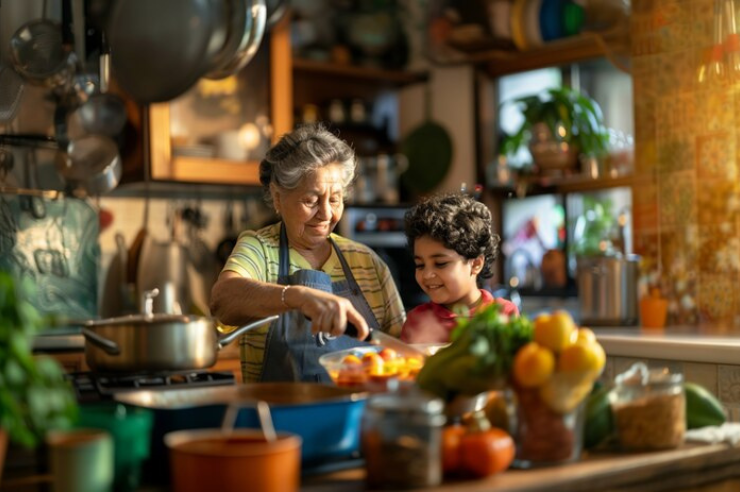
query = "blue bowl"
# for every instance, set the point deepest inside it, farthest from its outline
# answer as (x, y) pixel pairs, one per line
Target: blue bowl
(327, 418)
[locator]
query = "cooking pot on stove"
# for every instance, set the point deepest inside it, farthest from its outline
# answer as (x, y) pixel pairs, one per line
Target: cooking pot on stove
(149, 342)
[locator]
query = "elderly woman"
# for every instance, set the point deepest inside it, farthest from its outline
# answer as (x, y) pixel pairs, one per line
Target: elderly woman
(316, 280)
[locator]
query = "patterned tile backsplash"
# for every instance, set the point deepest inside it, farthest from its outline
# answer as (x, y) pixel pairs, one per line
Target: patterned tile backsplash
(687, 224)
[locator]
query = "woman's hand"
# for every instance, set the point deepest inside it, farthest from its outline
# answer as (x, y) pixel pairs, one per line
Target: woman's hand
(328, 313)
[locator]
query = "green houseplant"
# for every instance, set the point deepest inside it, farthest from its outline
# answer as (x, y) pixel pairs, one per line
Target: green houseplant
(34, 397)
(559, 125)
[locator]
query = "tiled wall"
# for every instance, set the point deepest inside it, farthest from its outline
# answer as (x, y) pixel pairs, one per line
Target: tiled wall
(721, 379)
(128, 218)
(686, 212)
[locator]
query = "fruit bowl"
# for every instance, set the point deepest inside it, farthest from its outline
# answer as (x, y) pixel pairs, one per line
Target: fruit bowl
(370, 368)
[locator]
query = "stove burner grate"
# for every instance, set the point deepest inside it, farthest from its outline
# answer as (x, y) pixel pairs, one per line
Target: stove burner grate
(90, 386)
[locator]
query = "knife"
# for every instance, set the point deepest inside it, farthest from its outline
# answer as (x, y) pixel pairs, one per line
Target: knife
(377, 337)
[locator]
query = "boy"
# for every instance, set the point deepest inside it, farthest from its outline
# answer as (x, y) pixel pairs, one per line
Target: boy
(454, 248)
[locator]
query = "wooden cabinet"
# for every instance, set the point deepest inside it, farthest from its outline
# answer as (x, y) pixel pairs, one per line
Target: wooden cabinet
(218, 131)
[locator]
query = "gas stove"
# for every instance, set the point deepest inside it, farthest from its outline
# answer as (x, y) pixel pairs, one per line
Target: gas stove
(92, 386)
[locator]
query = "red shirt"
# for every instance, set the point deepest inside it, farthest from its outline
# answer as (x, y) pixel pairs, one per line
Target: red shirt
(432, 323)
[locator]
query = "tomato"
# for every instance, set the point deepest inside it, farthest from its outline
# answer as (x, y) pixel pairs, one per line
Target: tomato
(487, 452)
(451, 438)
(388, 354)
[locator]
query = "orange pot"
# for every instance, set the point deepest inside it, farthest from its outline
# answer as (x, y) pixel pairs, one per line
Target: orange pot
(209, 459)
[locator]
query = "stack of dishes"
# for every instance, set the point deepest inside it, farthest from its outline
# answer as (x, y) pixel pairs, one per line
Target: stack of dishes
(536, 22)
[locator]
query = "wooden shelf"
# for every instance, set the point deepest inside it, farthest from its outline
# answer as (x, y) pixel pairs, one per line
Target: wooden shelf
(614, 45)
(390, 78)
(542, 185)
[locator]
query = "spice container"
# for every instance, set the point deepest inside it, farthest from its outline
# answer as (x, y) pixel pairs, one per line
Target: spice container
(649, 408)
(401, 440)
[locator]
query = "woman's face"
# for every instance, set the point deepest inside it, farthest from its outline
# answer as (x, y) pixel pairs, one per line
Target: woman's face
(444, 275)
(311, 210)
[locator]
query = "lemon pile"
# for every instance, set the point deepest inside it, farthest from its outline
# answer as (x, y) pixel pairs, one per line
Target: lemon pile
(562, 361)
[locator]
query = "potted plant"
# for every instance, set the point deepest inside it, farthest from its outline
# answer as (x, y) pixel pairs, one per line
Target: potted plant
(34, 397)
(560, 124)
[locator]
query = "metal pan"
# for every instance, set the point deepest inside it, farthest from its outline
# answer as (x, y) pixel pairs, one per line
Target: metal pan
(249, 44)
(161, 48)
(157, 342)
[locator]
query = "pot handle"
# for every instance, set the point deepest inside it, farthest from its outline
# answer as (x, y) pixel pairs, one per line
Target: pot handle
(230, 337)
(263, 413)
(108, 346)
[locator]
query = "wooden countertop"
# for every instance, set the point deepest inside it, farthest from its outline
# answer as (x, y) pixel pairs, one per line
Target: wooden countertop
(691, 467)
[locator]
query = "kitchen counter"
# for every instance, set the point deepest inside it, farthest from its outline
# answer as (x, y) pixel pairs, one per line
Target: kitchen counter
(698, 468)
(674, 343)
(693, 467)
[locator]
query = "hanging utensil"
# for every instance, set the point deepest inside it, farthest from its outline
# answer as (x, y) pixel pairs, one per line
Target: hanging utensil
(41, 51)
(162, 48)
(103, 113)
(250, 42)
(33, 204)
(91, 163)
(11, 91)
(276, 10)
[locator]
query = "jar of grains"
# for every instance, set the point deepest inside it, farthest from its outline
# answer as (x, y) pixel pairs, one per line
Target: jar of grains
(649, 408)
(401, 440)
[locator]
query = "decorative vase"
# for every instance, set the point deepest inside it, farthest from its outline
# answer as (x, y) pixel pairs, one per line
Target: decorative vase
(551, 155)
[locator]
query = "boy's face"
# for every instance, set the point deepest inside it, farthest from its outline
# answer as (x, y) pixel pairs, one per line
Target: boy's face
(444, 275)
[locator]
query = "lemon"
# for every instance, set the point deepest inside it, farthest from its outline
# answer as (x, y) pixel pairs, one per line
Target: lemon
(579, 357)
(555, 331)
(585, 335)
(533, 365)
(564, 391)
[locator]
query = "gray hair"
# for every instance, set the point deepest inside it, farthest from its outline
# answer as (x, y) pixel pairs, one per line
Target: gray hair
(302, 151)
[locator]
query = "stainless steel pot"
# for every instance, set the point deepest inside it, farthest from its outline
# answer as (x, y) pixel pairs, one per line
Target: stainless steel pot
(157, 342)
(607, 290)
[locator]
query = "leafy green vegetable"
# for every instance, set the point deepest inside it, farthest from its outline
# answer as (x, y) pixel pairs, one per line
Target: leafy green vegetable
(480, 356)
(34, 397)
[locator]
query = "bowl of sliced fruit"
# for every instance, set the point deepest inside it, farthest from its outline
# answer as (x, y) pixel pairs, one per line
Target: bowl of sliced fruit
(370, 368)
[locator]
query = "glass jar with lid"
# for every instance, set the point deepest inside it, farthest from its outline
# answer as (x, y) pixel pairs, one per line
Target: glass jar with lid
(649, 408)
(401, 440)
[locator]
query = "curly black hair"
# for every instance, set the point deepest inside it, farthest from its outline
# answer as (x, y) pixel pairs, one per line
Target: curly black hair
(458, 221)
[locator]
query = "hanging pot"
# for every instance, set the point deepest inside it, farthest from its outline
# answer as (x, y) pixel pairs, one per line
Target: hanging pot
(157, 342)
(161, 48)
(235, 57)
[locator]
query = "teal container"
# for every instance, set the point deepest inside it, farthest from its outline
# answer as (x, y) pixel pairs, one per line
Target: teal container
(131, 430)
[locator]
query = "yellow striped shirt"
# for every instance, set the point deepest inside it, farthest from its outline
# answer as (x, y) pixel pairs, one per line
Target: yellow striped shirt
(256, 256)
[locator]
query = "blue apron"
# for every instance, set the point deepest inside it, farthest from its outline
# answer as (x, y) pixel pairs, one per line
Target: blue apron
(291, 350)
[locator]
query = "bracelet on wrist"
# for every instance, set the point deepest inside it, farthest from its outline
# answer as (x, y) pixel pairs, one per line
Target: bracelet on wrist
(282, 295)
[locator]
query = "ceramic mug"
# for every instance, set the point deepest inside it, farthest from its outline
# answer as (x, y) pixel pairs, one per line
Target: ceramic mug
(80, 460)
